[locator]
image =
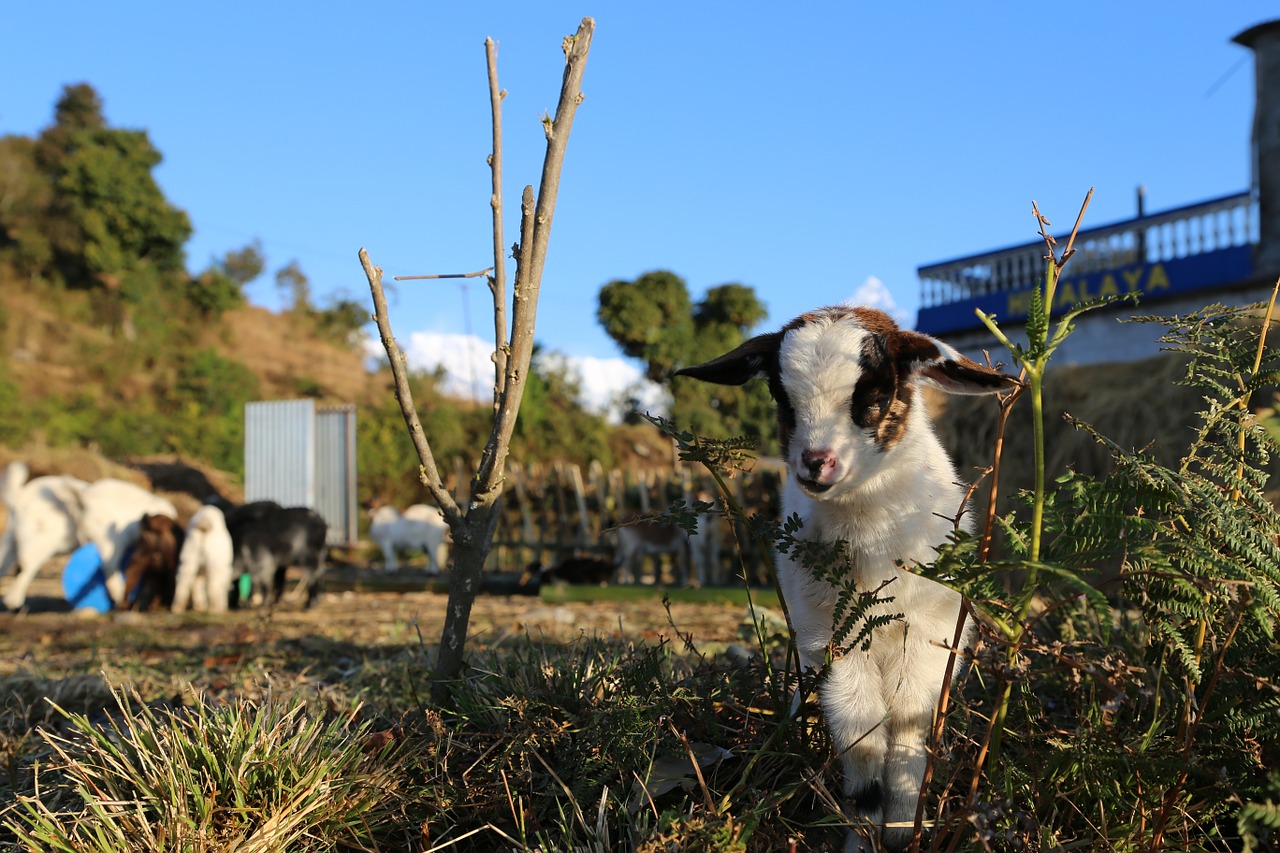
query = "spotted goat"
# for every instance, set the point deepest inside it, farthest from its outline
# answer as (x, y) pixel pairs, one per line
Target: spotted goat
(866, 469)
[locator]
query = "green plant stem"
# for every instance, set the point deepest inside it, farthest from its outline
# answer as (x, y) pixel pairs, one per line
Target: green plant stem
(1033, 362)
(1035, 376)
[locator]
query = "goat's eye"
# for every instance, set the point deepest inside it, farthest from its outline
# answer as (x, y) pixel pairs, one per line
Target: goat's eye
(867, 405)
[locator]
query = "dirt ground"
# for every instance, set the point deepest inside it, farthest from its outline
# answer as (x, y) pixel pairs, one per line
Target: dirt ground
(47, 636)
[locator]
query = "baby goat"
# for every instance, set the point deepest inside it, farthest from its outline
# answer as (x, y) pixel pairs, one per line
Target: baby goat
(421, 527)
(152, 566)
(867, 469)
(205, 563)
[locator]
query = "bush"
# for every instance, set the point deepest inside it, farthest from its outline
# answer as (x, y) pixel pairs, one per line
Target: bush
(213, 293)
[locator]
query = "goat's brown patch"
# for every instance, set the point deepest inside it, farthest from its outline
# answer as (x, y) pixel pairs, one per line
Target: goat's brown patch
(883, 396)
(875, 321)
(893, 426)
(153, 563)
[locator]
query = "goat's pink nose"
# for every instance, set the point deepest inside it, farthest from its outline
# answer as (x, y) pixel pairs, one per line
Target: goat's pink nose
(817, 462)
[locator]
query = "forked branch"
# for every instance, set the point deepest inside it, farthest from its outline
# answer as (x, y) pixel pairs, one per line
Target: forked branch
(473, 527)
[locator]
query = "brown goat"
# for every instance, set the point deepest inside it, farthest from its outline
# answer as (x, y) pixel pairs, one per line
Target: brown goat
(152, 568)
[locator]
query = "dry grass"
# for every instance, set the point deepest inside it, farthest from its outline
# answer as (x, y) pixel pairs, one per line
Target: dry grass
(280, 350)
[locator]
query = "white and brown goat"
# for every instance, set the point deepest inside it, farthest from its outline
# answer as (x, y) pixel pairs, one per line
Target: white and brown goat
(866, 469)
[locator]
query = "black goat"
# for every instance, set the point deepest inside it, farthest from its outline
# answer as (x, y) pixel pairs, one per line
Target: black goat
(267, 539)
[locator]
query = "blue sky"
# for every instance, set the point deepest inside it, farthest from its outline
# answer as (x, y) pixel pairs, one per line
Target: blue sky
(805, 152)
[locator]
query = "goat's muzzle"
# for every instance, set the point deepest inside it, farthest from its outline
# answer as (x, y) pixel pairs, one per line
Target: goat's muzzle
(818, 470)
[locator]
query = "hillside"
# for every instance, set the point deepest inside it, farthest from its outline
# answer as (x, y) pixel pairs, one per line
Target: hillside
(284, 354)
(77, 386)
(46, 335)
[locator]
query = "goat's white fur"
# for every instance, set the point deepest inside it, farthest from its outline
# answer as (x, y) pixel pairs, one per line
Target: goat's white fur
(111, 511)
(419, 528)
(890, 501)
(42, 525)
(54, 515)
(205, 564)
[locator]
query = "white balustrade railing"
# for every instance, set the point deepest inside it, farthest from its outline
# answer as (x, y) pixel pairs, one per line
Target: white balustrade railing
(1191, 230)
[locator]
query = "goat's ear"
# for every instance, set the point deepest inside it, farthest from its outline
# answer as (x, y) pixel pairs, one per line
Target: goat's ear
(942, 366)
(748, 360)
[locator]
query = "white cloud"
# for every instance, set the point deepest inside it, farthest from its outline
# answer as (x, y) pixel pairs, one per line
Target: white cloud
(605, 383)
(465, 360)
(873, 294)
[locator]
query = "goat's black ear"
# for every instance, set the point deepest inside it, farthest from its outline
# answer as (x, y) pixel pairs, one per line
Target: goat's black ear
(748, 360)
(945, 368)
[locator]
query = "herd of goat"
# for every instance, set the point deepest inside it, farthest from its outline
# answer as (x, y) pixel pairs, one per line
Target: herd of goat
(151, 561)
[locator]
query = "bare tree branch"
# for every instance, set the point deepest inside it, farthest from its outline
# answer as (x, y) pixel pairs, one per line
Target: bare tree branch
(473, 529)
(475, 274)
(427, 473)
(498, 281)
(533, 256)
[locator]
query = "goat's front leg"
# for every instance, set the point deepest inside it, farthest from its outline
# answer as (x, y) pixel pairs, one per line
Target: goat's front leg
(16, 595)
(918, 676)
(389, 560)
(8, 548)
(182, 586)
(217, 584)
(853, 701)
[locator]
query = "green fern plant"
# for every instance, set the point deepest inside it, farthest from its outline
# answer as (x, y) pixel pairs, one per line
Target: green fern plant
(1140, 688)
(1259, 823)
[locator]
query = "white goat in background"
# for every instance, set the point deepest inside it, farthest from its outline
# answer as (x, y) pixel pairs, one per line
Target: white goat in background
(867, 469)
(43, 524)
(419, 528)
(205, 564)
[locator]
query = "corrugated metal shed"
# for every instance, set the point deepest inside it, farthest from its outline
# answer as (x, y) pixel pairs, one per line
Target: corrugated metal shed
(299, 455)
(336, 470)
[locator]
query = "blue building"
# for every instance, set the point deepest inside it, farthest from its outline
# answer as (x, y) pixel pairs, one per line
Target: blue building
(1224, 250)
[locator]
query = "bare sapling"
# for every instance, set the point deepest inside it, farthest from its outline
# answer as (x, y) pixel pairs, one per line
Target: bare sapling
(473, 523)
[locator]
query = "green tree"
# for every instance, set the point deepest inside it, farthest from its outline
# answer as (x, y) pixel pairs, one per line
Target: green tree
(653, 319)
(25, 197)
(243, 265)
(221, 286)
(205, 408)
(112, 220)
(342, 320)
(78, 111)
